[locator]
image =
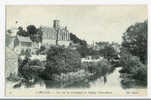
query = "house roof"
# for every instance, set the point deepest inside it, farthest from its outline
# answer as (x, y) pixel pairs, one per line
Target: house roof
(23, 39)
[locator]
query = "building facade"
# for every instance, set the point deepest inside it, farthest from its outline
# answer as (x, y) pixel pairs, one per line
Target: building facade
(55, 35)
(25, 43)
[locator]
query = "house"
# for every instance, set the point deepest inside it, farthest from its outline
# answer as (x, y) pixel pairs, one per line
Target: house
(22, 43)
(25, 43)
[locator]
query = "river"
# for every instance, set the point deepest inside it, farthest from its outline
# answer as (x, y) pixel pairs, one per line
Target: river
(113, 80)
(112, 85)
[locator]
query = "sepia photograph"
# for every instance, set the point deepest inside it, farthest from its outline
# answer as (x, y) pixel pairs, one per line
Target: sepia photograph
(76, 50)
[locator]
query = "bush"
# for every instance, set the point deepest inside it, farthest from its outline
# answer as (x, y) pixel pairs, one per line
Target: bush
(61, 60)
(99, 69)
(141, 74)
(73, 79)
(132, 65)
(35, 62)
(29, 68)
(41, 50)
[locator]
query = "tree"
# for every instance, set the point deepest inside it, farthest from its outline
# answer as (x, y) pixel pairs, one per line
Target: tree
(74, 38)
(61, 60)
(133, 55)
(108, 50)
(135, 40)
(22, 32)
(34, 33)
(82, 48)
(39, 35)
(132, 66)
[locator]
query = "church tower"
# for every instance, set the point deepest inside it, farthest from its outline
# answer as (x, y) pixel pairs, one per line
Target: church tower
(56, 24)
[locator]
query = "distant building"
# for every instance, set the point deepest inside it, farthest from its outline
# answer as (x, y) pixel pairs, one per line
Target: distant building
(91, 59)
(51, 34)
(25, 43)
(22, 43)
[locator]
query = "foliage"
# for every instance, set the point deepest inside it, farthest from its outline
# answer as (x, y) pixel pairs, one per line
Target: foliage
(135, 40)
(60, 59)
(133, 57)
(41, 50)
(22, 32)
(75, 39)
(82, 48)
(109, 51)
(31, 29)
(131, 65)
(34, 33)
(73, 79)
(142, 74)
(99, 69)
(35, 62)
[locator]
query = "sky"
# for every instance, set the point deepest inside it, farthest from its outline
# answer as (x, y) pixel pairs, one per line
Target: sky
(91, 23)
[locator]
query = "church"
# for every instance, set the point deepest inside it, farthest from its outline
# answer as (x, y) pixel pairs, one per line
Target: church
(55, 35)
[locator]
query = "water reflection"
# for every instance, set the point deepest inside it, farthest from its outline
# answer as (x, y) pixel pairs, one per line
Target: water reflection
(112, 80)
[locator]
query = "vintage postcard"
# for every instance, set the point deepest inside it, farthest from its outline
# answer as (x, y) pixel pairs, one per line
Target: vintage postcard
(76, 50)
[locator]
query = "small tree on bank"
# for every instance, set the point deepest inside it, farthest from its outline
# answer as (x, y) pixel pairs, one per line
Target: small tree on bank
(61, 60)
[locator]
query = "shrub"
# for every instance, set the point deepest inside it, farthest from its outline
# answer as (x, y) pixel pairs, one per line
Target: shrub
(133, 66)
(41, 50)
(61, 60)
(99, 69)
(73, 79)
(35, 62)
(29, 68)
(141, 74)
(130, 64)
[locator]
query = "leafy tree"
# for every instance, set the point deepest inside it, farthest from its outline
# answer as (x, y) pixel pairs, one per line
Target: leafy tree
(61, 60)
(135, 40)
(107, 50)
(98, 69)
(83, 46)
(74, 38)
(34, 33)
(38, 36)
(133, 56)
(22, 32)
(133, 66)
(31, 29)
